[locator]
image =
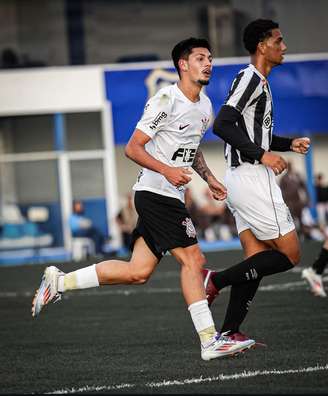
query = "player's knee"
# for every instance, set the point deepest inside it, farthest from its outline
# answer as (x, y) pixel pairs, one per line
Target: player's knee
(196, 262)
(295, 257)
(139, 277)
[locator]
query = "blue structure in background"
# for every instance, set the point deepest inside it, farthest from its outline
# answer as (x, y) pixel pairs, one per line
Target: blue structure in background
(59, 131)
(300, 95)
(299, 89)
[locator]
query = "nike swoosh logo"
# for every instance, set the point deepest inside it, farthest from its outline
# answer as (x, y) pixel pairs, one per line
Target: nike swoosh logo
(183, 127)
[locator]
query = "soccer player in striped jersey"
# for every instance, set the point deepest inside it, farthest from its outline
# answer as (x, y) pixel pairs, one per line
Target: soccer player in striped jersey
(265, 226)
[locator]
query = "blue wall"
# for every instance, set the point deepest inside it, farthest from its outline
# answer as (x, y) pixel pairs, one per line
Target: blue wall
(300, 94)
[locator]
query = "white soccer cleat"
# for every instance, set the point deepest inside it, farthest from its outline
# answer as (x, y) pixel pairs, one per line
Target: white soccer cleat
(315, 282)
(48, 290)
(222, 345)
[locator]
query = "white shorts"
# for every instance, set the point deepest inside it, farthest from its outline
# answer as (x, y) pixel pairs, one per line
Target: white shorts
(256, 202)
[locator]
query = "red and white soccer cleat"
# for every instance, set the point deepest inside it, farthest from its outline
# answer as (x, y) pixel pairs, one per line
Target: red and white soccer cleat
(315, 282)
(48, 290)
(211, 290)
(222, 345)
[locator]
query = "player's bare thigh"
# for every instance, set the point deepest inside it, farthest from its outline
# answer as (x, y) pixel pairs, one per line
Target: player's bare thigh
(287, 244)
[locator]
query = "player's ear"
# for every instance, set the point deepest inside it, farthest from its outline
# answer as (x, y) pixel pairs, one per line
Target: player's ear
(261, 47)
(183, 64)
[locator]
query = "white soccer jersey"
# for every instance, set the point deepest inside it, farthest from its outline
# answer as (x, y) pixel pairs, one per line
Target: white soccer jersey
(176, 126)
(250, 94)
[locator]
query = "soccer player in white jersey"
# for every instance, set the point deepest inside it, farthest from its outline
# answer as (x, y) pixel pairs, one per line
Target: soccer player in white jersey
(165, 143)
(265, 226)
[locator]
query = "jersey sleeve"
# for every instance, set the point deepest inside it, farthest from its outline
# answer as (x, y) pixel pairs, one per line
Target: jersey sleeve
(155, 114)
(245, 88)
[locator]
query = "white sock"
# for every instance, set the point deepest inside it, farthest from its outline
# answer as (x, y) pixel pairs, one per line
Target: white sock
(202, 319)
(83, 278)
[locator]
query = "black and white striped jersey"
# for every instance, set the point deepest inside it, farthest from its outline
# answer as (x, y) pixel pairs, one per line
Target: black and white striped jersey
(250, 94)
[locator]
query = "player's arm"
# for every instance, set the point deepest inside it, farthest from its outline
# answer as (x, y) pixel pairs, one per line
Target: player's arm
(298, 145)
(135, 150)
(226, 127)
(199, 165)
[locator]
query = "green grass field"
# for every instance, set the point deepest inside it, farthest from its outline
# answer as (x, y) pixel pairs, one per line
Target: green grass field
(140, 339)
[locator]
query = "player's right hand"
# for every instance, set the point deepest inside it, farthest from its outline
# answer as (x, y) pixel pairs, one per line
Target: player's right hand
(178, 176)
(274, 161)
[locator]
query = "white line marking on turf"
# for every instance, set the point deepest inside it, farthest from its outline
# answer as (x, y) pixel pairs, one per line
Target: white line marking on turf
(290, 286)
(199, 380)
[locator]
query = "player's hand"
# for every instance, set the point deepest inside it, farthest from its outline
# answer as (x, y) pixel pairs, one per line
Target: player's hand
(219, 192)
(301, 145)
(178, 176)
(274, 161)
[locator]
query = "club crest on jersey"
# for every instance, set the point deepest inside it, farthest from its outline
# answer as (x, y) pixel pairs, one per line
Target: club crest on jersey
(190, 228)
(204, 124)
(267, 120)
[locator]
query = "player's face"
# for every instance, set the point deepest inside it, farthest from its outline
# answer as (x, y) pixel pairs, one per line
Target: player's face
(199, 65)
(275, 48)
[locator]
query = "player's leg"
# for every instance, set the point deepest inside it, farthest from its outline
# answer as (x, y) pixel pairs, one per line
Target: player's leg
(242, 295)
(135, 271)
(262, 259)
(313, 274)
(213, 345)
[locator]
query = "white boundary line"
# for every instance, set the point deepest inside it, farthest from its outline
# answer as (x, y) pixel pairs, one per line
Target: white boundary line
(189, 381)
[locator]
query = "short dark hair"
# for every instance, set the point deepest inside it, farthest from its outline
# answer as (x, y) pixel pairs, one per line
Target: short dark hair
(184, 48)
(257, 31)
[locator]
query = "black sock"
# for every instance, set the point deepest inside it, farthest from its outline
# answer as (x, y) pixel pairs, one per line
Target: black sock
(321, 262)
(262, 264)
(241, 297)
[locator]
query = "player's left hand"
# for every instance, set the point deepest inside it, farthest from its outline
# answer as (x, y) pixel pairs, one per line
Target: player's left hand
(219, 191)
(301, 145)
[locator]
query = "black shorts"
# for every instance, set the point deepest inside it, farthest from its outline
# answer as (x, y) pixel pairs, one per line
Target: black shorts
(163, 222)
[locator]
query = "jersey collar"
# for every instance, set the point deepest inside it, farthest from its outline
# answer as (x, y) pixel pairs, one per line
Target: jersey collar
(183, 96)
(257, 72)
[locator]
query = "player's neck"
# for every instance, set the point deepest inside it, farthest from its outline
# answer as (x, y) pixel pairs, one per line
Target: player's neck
(190, 91)
(261, 65)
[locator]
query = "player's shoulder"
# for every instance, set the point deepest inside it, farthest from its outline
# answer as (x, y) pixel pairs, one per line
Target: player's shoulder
(248, 73)
(205, 99)
(165, 95)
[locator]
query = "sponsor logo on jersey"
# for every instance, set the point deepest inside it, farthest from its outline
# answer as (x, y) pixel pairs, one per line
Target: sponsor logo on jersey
(190, 228)
(181, 127)
(186, 154)
(160, 116)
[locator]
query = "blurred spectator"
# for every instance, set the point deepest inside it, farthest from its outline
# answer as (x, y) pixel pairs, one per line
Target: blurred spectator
(81, 226)
(322, 201)
(9, 59)
(295, 195)
(220, 220)
(127, 220)
(200, 220)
